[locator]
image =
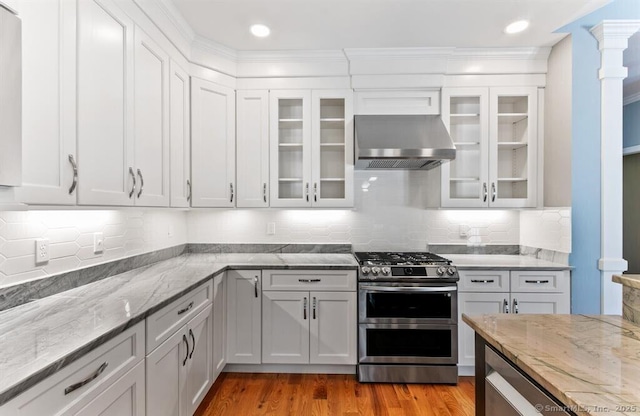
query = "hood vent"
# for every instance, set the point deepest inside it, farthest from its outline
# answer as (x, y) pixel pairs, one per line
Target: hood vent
(407, 142)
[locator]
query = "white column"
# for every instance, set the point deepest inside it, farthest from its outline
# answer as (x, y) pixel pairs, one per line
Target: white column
(612, 36)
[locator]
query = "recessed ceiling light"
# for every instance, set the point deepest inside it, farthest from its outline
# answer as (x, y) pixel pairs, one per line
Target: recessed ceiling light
(260, 31)
(516, 27)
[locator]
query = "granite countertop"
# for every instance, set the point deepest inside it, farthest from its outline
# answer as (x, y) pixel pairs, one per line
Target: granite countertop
(500, 261)
(40, 337)
(630, 280)
(589, 363)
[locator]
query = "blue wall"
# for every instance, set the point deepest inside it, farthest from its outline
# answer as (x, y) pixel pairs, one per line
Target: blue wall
(631, 124)
(585, 154)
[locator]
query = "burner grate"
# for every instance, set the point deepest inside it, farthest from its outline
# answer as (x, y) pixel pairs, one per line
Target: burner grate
(380, 258)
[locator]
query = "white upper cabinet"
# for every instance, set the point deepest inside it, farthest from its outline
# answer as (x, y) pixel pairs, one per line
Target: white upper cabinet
(151, 121)
(252, 146)
(397, 102)
(180, 128)
(105, 103)
(48, 97)
(213, 144)
(311, 148)
(495, 134)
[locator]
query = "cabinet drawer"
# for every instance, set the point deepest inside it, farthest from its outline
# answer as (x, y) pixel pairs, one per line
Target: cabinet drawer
(484, 281)
(340, 280)
(82, 380)
(164, 323)
(539, 281)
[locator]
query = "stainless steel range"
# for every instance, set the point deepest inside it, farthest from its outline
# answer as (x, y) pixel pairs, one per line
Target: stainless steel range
(407, 318)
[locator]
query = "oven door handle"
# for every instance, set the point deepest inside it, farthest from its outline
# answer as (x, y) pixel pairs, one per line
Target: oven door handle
(409, 288)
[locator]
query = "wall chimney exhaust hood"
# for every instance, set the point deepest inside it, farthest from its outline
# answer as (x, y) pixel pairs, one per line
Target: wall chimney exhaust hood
(401, 142)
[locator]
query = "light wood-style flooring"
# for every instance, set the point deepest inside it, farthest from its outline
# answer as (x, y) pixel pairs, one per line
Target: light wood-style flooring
(236, 394)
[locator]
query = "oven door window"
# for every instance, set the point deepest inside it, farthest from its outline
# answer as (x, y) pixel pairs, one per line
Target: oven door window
(436, 305)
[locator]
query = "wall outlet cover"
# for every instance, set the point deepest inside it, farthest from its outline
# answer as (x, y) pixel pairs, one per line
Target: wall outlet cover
(271, 228)
(98, 243)
(42, 250)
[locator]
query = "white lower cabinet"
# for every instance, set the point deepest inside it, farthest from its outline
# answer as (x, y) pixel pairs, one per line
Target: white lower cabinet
(504, 291)
(309, 327)
(125, 397)
(180, 370)
(219, 325)
(244, 316)
(107, 380)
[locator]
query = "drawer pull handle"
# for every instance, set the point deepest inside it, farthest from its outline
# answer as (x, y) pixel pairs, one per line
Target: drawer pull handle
(482, 281)
(537, 282)
(309, 280)
(255, 286)
(86, 381)
(193, 347)
(184, 339)
(304, 308)
(183, 310)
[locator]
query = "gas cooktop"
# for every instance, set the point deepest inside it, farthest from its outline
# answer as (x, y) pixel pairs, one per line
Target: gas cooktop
(406, 266)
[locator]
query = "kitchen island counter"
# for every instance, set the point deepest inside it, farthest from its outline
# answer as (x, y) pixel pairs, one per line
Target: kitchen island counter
(591, 364)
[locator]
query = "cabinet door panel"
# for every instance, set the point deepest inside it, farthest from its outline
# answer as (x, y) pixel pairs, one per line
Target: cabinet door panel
(219, 325)
(244, 316)
(151, 121)
(213, 144)
(253, 149)
(105, 103)
(475, 304)
(333, 328)
(125, 397)
(285, 327)
(539, 303)
(166, 376)
(180, 137)
(48, 102)
(200, 363)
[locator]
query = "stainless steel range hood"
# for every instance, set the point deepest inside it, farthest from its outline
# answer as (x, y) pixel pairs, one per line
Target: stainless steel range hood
(401, 142)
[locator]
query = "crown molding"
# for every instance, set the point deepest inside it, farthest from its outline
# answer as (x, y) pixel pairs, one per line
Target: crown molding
(174, 16)
(398, 53)
(217, 49)
(502, 54)
(290, 56)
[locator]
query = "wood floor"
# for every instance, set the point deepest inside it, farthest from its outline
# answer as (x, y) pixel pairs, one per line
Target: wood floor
(236, 394)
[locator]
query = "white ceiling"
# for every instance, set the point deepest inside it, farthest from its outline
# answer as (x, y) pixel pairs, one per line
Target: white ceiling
(338, 24)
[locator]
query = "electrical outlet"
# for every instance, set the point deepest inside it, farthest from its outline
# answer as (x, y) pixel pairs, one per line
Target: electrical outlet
(271, 228)
(98, 243)
(464, 230)
(42, 250)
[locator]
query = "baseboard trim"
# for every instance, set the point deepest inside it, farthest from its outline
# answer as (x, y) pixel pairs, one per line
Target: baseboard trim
(290, 368)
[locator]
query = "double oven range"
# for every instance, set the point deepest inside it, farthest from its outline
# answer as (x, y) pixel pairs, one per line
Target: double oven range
(407, 318)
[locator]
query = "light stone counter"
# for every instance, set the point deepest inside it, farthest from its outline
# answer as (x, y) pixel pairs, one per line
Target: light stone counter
(40, 337)
(498, 261)
(630, 296)
(589, 363)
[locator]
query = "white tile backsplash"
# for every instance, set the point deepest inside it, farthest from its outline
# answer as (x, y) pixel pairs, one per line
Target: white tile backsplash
(549, 229)
(126, 232)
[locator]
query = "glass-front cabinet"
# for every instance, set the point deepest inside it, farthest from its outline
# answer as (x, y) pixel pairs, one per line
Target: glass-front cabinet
(311, 148)
(495, 134)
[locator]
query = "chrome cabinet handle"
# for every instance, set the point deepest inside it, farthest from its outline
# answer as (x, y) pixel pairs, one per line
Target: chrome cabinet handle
(188, 190)
(506, 306)
(255, 285)
(515, 305)
(133, 188)
(264, 192)
(184, 339)
(309, 280)
(87, 380)
(493, 192)
(193, 338)
(183, 310)
(485, 192)
(315, 192)
(314, 307)
(306, 187)
(537, 282)
(75, 174)
(231, 187)
(141, 183)
(304, 308)
(482, 281)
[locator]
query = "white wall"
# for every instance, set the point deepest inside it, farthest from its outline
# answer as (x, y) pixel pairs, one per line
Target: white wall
(389, 214)
(126, 233)
(557, 128)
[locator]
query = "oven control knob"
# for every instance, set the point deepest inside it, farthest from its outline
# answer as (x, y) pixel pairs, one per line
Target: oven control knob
(375, 271)
(441, 270)
(451, 271)
(386, 271)
(366, 270)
